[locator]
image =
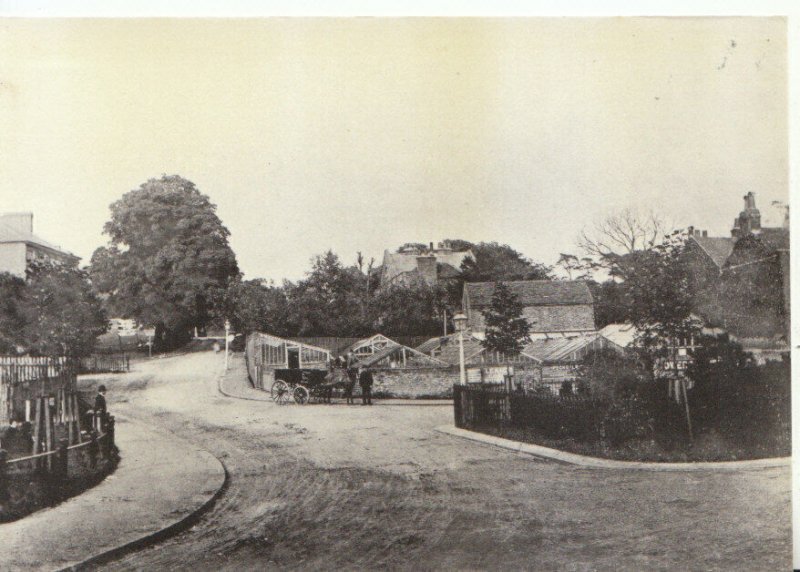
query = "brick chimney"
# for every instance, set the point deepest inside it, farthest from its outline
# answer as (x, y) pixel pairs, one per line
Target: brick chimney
(749, 220)
(426, 266)
(20, 222)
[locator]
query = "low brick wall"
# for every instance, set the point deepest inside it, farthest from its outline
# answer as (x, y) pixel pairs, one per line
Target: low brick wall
(413, 383)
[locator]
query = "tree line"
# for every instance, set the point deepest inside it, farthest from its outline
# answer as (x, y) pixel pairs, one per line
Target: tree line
(169, 265)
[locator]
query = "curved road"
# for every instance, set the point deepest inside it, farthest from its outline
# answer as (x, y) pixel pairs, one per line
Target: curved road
(329, 487)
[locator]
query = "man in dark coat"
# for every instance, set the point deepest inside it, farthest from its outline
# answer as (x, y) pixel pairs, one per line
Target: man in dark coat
(100, 409)
(365, 381)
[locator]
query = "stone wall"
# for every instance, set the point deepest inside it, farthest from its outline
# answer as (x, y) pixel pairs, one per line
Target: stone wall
(415, 382)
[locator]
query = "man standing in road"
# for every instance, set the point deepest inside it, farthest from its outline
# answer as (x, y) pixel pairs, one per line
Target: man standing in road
(365, 381)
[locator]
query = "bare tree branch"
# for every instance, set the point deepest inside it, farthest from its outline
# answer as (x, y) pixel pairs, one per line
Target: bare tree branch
(622, 233)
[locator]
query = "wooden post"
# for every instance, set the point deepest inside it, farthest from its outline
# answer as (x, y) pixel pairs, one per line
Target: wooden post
(37, 426)
(77, 412)
(48, 431)
(69, 419)
(686, 403)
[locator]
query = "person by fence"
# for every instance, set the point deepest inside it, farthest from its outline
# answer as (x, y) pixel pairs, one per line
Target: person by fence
(365, 380)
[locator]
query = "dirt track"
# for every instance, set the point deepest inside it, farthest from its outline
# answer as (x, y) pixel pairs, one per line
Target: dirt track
(331, 487)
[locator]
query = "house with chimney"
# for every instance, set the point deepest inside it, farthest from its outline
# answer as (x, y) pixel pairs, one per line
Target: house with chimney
(553, 308)
(743, 281)
(19, 246)
(415, 265)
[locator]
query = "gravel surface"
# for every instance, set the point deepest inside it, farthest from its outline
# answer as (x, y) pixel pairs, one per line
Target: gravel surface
(320, 487)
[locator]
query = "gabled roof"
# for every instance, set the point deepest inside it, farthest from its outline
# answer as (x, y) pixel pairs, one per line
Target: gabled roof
(718, 248)
(533, 292)
(377, 339)
(9, 234)
(419, 358)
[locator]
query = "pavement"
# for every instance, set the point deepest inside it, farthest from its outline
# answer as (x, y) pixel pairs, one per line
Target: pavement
(598, 463)
(126, 510)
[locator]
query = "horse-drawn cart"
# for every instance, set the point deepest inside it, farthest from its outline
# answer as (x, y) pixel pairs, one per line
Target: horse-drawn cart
(303, 385)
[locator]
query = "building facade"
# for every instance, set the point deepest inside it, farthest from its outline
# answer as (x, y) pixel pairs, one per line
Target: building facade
(553, 308)
(19, 247)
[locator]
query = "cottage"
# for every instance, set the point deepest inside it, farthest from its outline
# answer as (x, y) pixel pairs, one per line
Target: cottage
(552, 308)
(19, 247)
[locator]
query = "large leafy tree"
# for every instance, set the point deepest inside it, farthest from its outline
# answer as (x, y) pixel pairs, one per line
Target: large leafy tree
(168, 261)
(656, 286)
(507, 331)
(495, 262)
(330, 301)
(414, 310)
(257, 306)
(62, 315)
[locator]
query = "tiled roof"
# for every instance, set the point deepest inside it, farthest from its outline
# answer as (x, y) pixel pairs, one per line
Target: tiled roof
(718, 248)
(533, 292)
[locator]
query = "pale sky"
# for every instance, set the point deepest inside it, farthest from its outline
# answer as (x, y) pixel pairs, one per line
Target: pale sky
(363, 134)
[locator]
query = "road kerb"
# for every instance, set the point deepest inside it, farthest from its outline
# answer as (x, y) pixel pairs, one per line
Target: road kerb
(597, 463)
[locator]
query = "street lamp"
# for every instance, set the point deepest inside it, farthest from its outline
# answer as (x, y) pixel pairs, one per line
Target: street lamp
(460, 321)
(227, 329)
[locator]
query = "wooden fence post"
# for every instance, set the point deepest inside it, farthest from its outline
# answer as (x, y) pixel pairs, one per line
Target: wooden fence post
(37, 426)
(76, 411)
(3, 477)
(48, 432)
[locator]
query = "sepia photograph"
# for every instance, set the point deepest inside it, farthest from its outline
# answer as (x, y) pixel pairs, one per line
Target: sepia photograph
(407, 291)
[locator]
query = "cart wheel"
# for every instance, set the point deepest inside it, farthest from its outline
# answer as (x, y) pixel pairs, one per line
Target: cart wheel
(300, 395)
(280, 392)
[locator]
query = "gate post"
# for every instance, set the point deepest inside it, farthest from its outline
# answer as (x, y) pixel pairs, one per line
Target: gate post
(457, 408)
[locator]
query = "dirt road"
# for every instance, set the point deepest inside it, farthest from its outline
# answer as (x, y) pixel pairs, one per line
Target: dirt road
(323, 487)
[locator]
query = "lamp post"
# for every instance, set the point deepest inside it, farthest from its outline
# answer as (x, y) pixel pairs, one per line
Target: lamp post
(227, 330)
(460, 321)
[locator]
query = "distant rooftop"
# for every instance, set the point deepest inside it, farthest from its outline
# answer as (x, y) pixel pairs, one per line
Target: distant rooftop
(18, 227)
(533, 292)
